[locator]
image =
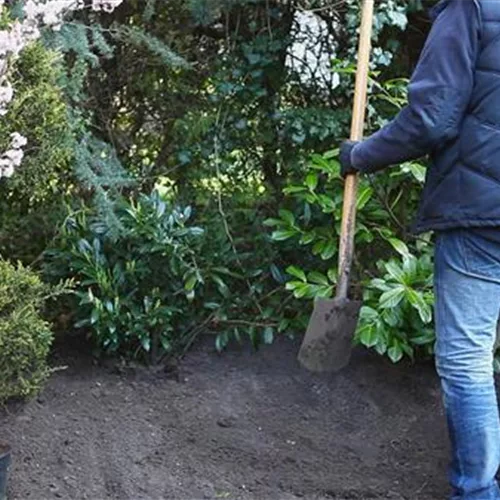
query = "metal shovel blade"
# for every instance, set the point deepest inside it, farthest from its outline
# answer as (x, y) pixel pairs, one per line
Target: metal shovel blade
(327, 345)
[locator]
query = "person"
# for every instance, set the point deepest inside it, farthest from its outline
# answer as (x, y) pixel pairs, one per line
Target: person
(454, 115)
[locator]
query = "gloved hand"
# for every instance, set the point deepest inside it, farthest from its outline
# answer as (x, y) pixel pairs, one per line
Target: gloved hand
(346, 166)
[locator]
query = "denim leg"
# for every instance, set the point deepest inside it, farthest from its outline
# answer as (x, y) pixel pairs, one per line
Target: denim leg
(467, 307)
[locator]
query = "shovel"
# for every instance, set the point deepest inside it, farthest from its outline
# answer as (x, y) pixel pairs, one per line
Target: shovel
(327, 344)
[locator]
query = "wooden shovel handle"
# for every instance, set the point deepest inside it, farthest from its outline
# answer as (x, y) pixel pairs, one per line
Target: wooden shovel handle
(346, 249)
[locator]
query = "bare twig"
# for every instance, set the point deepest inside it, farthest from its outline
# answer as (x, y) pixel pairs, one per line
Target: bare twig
(242, 322)
(193, 335)
(269, 27)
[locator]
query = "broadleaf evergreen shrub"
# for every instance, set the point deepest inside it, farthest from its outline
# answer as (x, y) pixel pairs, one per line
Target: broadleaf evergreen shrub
(392, 276)
(135, 288)
(392, 271)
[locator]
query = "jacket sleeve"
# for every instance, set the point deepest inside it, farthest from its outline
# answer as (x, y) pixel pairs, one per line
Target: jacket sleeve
(439, 93)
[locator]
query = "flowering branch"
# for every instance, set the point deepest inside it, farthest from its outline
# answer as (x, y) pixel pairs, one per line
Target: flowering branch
(13, 157)
(38, 14)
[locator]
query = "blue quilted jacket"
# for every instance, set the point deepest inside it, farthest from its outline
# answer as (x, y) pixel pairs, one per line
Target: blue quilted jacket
(454, 115)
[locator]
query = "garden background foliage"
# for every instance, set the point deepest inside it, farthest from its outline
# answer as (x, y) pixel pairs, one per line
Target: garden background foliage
(182, 171)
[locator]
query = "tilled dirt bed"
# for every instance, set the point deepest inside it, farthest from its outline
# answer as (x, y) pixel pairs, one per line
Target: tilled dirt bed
(239, 426)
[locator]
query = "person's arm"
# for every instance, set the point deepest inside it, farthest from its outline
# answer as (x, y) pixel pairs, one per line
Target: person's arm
(439, 93)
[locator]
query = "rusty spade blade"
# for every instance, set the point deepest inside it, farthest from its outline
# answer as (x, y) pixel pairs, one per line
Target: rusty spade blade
(327, 345)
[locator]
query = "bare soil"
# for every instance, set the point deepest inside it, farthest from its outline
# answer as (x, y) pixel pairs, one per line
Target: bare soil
(239, 426)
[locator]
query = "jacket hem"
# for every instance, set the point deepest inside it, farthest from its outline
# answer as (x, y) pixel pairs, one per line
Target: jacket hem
(426, 226)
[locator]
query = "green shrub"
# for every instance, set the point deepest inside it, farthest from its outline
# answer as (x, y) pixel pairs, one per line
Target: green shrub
(135, 288)
(243, 270)
(396, 319)
(392, 271)
(393, 276)
(25, 338)
(149, 289)
(38, 112)
(30, 201)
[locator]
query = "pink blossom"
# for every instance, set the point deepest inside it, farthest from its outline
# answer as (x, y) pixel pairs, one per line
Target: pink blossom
(13, 157)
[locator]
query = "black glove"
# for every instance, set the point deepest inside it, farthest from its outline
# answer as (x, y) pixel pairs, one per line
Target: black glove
(346, 166)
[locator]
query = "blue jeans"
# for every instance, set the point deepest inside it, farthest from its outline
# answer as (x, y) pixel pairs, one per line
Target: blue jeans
(467, 287)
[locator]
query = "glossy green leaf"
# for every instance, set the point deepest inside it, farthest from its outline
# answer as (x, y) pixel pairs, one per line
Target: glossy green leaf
(283, 235)
(297, 273)
(395, 353)
(395, 271)
(318, 278)
(273, 222)
(287, 216)
(392, 298)
(146, 343)
(368, 335)
(190, 283)
(417, 301)
(364, 196)
(329, 250)
(400, 247)
(312, 181)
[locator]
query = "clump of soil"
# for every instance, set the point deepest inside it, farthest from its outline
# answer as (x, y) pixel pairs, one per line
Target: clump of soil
(239, 426)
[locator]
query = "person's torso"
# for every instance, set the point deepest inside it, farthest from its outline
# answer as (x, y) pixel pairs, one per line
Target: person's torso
(463, 185)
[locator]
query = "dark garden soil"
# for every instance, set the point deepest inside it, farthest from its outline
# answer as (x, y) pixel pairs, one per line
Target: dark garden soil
(238, 426)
